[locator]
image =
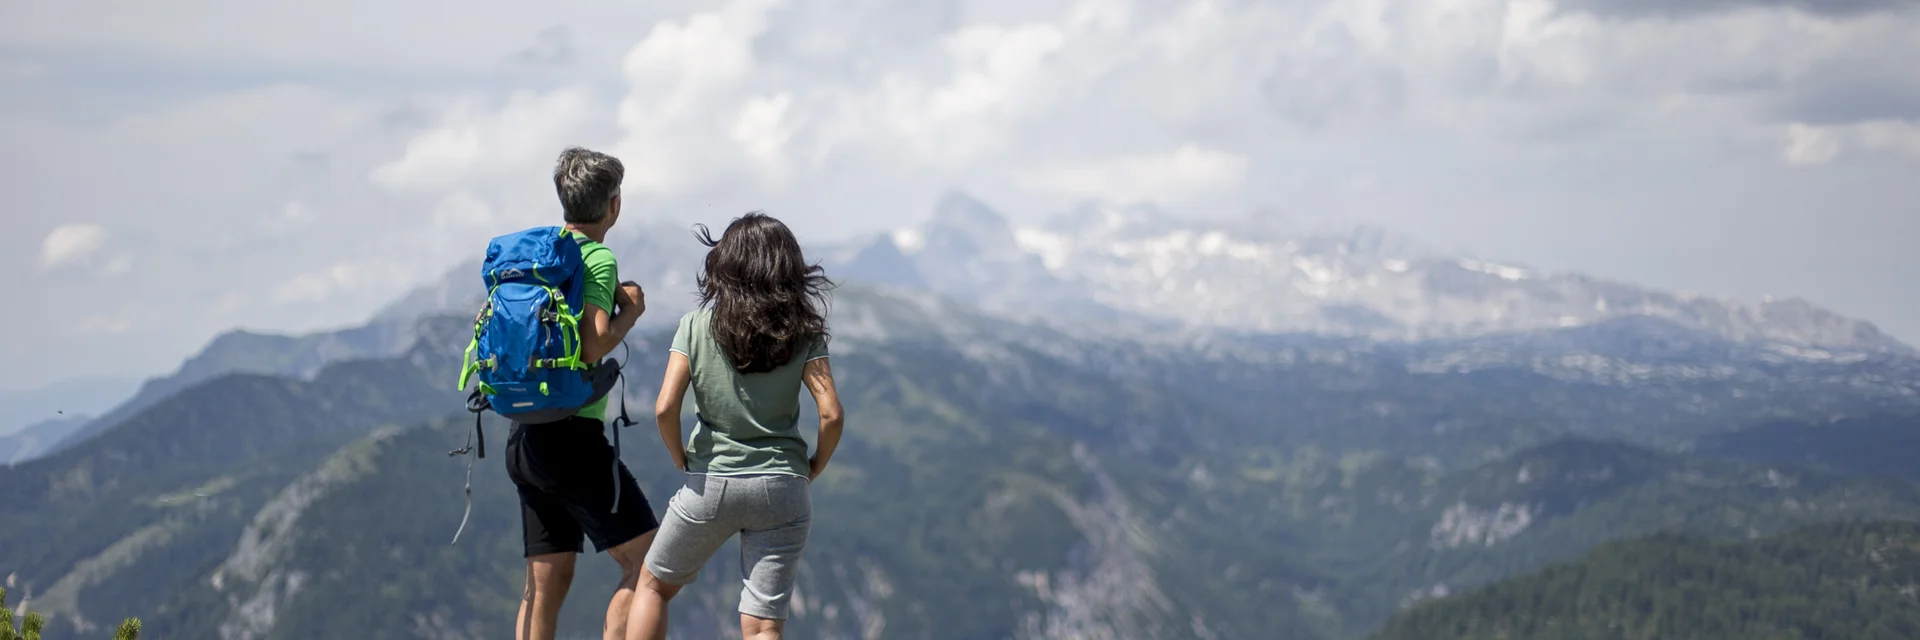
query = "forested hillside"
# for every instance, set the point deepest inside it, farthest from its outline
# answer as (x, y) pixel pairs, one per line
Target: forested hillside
(1854, 580)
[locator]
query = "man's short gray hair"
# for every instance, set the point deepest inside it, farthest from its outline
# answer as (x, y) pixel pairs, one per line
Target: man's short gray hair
(587, 182)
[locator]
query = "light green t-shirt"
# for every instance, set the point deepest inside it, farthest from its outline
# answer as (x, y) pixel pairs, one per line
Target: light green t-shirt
(747, 423)
(603, 277)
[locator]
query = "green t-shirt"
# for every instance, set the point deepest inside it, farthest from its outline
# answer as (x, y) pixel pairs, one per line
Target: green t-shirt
(747, 423)
(603, 277)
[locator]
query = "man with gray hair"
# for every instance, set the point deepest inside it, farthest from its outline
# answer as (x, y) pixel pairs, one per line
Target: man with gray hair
(561, 468)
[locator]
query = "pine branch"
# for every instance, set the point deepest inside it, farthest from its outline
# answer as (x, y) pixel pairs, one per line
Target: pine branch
(6, 618)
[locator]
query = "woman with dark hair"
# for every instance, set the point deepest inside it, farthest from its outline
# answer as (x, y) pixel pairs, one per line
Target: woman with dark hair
(759, 334)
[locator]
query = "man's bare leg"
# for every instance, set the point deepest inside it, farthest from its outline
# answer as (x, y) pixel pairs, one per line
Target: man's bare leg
(752, 628)
(549, 576)
(649, 619)
(631, 555)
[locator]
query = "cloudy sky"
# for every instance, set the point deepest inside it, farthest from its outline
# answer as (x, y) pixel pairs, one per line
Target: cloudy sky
(170, 170)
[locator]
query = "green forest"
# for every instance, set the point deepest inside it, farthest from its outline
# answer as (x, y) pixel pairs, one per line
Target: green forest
(1854, 580)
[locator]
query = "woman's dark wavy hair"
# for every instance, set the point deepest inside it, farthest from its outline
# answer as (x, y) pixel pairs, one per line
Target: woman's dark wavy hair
(767, 302)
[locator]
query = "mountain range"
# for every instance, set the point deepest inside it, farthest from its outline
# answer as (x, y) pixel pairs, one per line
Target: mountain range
(1082, 484)
(1032, 451)
(1263, 273)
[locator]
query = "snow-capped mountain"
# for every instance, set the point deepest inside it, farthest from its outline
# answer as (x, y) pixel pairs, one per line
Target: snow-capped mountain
(1264, 274)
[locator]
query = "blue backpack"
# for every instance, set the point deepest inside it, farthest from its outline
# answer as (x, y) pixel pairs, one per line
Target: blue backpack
(526, 339)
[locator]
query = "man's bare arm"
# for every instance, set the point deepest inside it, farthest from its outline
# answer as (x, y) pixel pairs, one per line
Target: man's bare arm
(601, 332)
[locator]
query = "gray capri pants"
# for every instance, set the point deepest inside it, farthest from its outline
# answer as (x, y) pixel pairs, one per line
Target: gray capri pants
(772, 513)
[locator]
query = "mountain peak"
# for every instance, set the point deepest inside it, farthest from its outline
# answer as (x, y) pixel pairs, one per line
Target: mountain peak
(964, 230)
(957, 210)
(883, 260)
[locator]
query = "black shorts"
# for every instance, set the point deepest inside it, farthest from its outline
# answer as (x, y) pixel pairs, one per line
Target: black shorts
(565, 473)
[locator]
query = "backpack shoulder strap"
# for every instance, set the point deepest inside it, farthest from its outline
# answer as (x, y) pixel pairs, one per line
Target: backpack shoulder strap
(588, 246)
(582, 240)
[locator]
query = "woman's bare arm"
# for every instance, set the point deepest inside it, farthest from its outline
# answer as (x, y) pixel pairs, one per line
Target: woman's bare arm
(666, 409)
(819, 378)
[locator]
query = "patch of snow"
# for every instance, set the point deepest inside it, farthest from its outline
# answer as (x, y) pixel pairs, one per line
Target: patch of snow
(1504, 272)
(1800, 353)
(1164, 252)
(1113, 219)
(1054, 250)
(1315, 271)
(1215, 243)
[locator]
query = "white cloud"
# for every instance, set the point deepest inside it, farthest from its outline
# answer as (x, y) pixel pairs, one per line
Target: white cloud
(1168, 178)
(687, 113)
(356, 277)
(1821, 144)
(70, 242)
(118, 265)
(1810, 145)
(997, 80)
(1055, 100)
(763, 129)
(474, 144)
(1895, 136)
(407, 37)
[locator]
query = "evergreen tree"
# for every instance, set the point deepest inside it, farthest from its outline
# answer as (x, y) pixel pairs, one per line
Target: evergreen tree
(6, 619)
(35, 623)
(129, 630)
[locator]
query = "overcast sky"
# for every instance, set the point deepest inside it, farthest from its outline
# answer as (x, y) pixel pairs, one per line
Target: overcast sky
(170, 170)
